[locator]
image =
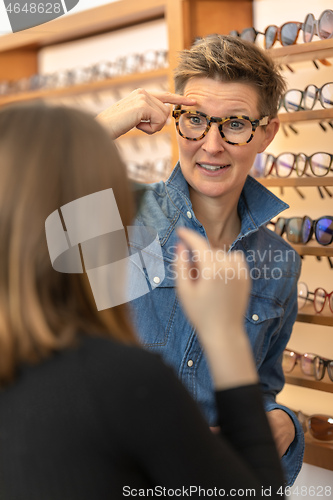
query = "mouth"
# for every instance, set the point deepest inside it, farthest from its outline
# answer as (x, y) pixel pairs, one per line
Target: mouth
(212, 168)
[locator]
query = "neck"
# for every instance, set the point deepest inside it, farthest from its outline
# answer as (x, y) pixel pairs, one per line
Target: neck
(219, 217)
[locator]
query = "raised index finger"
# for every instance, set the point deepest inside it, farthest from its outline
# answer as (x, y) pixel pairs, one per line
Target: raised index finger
(170, 98)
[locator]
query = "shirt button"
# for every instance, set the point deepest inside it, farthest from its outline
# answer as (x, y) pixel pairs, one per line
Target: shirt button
(255, 317)
(156, 280)
(189, 215)
(190, 363)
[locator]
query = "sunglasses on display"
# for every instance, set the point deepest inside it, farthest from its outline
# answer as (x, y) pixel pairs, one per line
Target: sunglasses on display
(285, 163)
(300, 100)
(319, 297)
(235, 130)
(288, 33)
(323, 27)
(319, 427)
(301, 229)
(248, 34)
(311, 365)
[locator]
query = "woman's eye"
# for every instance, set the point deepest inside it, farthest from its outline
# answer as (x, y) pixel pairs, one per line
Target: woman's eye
(195, 120)
(236, 124)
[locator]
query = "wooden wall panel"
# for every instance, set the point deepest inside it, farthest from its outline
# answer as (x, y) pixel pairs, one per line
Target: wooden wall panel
(16, 64)
(202, 17)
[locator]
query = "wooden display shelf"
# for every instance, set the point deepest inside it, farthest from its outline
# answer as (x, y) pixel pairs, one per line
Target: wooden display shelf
(308, 315)
(87, 88)
(296, 181)
(313, 248)
(318, 385)
(306, 116)
(297, 377)
(321, 49)
(98, 20)
(318, 453)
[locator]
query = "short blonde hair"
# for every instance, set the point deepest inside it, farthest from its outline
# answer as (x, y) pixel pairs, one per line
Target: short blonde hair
(229, 59)
(50, 156)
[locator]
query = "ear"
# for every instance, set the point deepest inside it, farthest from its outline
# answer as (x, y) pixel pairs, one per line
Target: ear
(270, 132)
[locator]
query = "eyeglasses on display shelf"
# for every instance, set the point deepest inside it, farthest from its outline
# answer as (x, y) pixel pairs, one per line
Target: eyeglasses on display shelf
(149, 171)
(236, 130)
(318, 298)
(323, 27)
(284, 164)
(311, 364)
(288, 33)
(306, 362)
(301, 100)
(248, 34)
(132, 63)
(299, 230)
(320, 427)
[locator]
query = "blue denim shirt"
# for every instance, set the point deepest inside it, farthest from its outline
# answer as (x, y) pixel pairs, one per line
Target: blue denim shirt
(274, 269)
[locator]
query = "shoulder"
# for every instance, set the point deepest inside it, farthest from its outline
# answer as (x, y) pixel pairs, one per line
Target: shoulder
(265, 247)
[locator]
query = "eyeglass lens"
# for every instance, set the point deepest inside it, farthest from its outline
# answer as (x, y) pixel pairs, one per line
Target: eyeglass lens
(235, 130)
(299, 229)
(324, 26)
(319, 426)
(320, 296)
(320, 164)
(297, 100)
(302, 294)
(319, 368)
(290, 358)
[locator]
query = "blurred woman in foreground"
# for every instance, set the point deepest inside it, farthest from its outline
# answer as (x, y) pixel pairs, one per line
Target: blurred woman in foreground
(78, 393)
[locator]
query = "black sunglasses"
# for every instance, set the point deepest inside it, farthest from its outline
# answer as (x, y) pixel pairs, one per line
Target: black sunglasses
(301, 229)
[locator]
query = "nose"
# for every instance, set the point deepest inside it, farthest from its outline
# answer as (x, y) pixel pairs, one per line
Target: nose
(213, 142)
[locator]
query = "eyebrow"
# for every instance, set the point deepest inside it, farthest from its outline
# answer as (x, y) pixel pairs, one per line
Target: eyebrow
(234, 113)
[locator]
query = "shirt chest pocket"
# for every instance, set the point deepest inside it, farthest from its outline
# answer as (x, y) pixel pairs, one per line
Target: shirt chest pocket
(157, 315)
(263, 320)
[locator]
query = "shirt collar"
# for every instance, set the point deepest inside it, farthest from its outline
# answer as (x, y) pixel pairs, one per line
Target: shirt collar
(257, 205)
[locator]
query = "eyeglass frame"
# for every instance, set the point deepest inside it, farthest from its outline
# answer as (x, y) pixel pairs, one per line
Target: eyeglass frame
(308, 161)
(307, 297)
(315, 26)
(306, 424)
(327, 365)
(303, 93)
(298, 357)
(177, 112)
(312, 231)
(246, 30)
(327, 297)
(294, 166)
(277, 37)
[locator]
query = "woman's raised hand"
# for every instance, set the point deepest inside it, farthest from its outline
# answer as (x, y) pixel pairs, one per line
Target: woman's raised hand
(145, 111)
(213, 287)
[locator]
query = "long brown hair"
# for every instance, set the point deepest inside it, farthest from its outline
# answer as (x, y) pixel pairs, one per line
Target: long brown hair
(50, 156)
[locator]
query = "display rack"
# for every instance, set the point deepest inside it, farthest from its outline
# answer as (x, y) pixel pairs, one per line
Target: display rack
(316, 452)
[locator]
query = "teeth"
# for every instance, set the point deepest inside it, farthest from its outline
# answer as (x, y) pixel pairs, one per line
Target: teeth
(210, 167)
